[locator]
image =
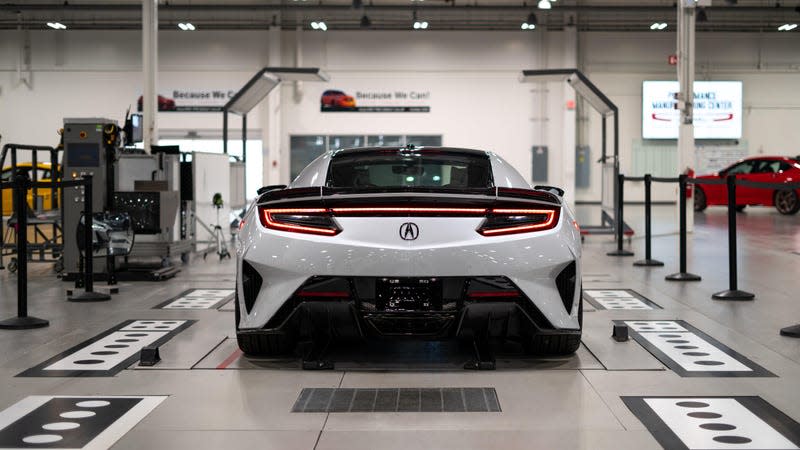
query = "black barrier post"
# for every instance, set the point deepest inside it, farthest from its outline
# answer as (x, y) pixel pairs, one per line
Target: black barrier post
(620, 222)
(733, 292)
(648, 260)
(22, 321)
(88, 294)
(683, 275)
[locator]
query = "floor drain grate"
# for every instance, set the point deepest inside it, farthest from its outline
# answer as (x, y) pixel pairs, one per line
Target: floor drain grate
(342, 400)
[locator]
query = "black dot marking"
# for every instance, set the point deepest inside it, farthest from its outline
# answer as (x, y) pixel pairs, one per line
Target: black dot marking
(139, 326)
(104, 353)
(646, 328)
(126, 340)
(136, 335)
(695, 354)
(640, 323)
(709, 363)
(669, 335)
(162, 326)
(704, 415)
(664, 323)
(692, 404)
(678, 341)
(733, 439)
(148, 321)
(171, 321)
(686, 347)
(717, 426)
(89, 361)
(117, 346)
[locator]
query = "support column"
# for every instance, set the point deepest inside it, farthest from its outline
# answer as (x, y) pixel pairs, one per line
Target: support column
(686, 53)
(568, 130)
(149, 73)
(276, 160)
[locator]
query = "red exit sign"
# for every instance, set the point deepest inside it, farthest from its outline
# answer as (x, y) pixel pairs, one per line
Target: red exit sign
(672, 60)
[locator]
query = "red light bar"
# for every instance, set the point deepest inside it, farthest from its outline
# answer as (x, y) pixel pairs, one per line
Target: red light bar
(331, 294)
(397, 210)
(269, 221)
(547, 224)
(486, 294)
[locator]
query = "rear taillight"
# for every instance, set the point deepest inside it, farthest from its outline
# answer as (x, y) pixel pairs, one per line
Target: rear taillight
(300, 220)
(510, 221)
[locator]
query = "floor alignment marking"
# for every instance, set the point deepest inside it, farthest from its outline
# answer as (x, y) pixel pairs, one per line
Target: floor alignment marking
(618, 299)
(198, 299)
(690, 352)
(110, 351)
(72, 422)
(715, 422)
(231, 358)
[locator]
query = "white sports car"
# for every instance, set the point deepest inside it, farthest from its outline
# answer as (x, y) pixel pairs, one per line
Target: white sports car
(429, 243)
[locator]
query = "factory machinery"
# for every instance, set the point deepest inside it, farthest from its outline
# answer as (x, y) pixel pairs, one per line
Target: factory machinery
(146, 187)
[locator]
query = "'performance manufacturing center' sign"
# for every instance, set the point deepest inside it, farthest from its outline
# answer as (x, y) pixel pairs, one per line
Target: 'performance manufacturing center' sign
(717, 110)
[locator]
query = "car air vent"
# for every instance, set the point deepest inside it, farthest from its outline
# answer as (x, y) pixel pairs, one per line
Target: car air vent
(251, 285)
(565, 283)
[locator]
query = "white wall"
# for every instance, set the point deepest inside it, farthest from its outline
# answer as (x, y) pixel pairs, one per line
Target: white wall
(476, 99)
(768, 65)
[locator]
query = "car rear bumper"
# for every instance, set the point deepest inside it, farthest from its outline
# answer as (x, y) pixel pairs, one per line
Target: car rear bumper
(343, 319)
(447, 247)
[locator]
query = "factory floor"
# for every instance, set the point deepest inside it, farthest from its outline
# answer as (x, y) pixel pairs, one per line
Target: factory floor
(695, 373)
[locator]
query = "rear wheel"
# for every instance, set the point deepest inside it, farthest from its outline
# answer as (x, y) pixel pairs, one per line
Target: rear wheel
(266, 345)
(787, 202)
(700, 202)
(556, 344)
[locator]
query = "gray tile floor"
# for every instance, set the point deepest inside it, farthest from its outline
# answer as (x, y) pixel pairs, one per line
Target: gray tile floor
(568, 403)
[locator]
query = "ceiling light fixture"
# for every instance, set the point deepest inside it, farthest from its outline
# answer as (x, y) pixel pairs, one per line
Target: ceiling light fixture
(319, 25)
(544, 4)
(420, 25)
(56, 25)
(186, 26)
(787, 27)
(658, 26)
(530, 23)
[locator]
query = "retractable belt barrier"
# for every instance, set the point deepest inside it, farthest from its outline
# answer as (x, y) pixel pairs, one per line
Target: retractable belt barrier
(733, 292)
(20, 187)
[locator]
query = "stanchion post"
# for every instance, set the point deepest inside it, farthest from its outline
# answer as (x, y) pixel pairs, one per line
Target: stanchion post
(682, 275)
(88, 275)
(620, 219)
(733, 292)
(648, 260)
(22, 321)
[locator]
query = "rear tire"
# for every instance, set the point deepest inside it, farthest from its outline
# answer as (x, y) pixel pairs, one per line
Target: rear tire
(556, 344)
(266, 345)
(553, 344)
(786, 202)
(700, 201)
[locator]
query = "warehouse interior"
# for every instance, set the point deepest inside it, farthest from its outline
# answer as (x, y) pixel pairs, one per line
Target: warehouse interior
(175, 120)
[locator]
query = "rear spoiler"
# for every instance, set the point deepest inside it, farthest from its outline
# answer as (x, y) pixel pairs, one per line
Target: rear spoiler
(552, 189)
(474, 197)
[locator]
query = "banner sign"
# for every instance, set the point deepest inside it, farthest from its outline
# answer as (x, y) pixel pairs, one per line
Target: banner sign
(192, 100)
(717, 110)
(334, 100)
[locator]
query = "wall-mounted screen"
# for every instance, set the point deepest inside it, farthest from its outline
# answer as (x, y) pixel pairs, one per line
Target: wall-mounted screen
(717, 110)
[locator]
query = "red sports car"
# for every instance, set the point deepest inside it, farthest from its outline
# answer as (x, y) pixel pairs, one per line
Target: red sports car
(164, 103)
(333, 99)
(767, 169)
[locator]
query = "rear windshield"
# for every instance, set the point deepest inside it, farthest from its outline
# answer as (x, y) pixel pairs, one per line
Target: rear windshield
(446, 170)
